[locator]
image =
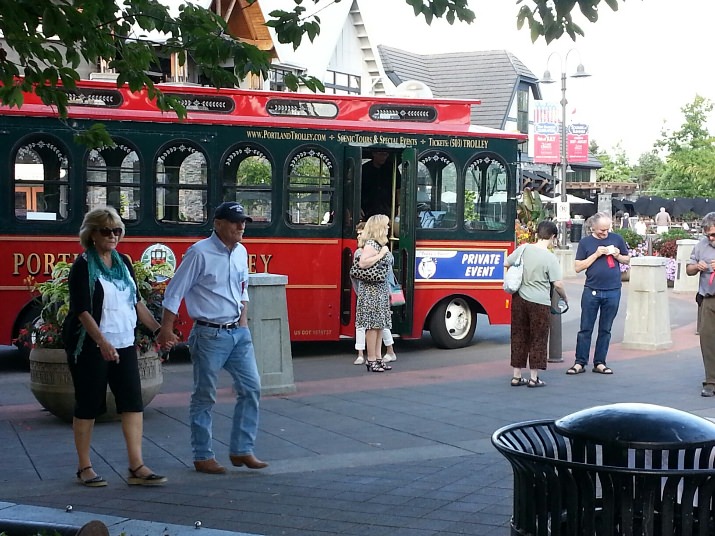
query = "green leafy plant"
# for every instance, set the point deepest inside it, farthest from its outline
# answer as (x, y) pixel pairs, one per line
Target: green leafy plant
(676, 233)
(633, 239)
(529, 211)
(667, 243)
(53, 296)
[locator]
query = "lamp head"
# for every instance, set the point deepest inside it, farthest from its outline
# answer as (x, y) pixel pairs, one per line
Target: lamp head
(580, 72)
(547, 79)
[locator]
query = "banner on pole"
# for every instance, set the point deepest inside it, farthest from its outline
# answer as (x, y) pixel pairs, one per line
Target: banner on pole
(577, 142)
(547, 133)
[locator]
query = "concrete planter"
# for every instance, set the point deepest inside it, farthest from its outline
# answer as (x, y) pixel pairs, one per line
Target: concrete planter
(51, 382)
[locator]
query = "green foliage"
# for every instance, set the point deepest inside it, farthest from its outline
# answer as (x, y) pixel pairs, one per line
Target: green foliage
(690, 155)
(633, 239)
(552, 18)
(530, 211)
(54, 298)
(648, 168)
(666, 245)
(616, 169)
(675, 233)
(51, 39)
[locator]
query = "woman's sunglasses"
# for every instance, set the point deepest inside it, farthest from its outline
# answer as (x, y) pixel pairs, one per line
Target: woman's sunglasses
(106, 231)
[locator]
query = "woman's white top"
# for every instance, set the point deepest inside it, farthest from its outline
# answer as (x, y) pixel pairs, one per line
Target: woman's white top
(119, 315)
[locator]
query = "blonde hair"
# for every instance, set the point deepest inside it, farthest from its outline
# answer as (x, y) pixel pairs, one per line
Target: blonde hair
(96, 219)
(375, 229)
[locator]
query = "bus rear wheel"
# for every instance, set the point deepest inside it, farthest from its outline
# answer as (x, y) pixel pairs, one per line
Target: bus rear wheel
(453, 323)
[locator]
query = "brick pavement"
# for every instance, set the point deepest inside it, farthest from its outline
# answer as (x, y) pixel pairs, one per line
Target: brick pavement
(406, 452)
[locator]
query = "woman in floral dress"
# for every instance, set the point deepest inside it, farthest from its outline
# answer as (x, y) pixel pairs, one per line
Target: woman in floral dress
(373, 302)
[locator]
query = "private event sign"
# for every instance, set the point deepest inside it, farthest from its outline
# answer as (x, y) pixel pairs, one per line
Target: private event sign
(459, 265)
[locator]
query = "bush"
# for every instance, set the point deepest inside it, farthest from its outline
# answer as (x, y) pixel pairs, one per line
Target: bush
(666, 248)
(674, 234)
(633, 239)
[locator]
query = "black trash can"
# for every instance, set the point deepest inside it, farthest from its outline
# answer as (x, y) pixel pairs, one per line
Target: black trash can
(616, 470)
(576, 230)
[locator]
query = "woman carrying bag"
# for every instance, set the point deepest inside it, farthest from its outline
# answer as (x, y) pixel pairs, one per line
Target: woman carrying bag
(531, 305)
(373, 302)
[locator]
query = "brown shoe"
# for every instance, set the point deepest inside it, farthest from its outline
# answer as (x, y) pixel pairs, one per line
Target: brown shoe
(210, 467)
(249, 460)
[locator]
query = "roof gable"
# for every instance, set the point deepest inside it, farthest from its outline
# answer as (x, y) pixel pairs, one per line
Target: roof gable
(490, 76)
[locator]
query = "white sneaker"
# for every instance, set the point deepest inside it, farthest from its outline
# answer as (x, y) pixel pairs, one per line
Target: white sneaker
(359, 361)
(389, 357)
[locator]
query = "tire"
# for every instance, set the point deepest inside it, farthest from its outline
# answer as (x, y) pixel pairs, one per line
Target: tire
(453, 323)
(30, 313)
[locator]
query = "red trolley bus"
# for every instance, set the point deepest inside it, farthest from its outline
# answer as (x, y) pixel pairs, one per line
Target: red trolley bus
(294, 161)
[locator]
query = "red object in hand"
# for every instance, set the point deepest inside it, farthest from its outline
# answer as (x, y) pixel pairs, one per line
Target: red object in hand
(611, 262)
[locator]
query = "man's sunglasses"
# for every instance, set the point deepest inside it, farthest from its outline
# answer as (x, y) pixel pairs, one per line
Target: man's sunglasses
(710, 235)
(106, 231)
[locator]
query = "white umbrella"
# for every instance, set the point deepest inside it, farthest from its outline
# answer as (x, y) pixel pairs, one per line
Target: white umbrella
(449, 197)
(572, 200)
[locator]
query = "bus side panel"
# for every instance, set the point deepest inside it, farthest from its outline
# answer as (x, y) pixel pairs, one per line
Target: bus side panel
(314, 275)
(474, 270)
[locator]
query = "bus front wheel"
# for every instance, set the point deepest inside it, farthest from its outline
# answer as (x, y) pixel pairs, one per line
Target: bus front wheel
(453, 323)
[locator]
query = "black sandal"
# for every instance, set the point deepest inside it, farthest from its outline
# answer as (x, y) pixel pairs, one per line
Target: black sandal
(573, 370)
(375, 366)
(94, 482)
(535, 383)
(602, 369)
(148, 480)
(518, 382)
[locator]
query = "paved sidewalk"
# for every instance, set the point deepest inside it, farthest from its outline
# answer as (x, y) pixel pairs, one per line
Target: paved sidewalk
(406, 452)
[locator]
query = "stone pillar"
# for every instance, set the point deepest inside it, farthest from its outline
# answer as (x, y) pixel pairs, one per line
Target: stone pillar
(683, 281)
(605, 203)
(566, 259)
(647, 315)
(268, 322)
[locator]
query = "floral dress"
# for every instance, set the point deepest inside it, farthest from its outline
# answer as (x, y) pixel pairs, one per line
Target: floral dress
(373, 300)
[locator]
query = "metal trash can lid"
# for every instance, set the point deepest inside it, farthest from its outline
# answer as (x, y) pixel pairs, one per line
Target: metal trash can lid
(632, 425)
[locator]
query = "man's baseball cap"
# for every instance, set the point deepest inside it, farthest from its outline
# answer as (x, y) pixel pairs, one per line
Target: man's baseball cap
(231, 211)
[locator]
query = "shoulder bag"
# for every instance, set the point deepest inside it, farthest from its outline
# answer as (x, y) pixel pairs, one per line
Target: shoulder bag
(377, 273)
(397, 297)
(515, 274)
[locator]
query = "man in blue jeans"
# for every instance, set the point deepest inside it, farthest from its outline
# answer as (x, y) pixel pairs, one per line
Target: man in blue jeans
(213, 279)
(599, 254)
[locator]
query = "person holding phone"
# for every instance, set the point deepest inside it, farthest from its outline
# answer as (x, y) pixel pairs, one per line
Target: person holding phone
(599, 254)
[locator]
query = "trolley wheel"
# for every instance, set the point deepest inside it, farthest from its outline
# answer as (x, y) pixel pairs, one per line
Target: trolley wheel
(453, 323)
(29, 315)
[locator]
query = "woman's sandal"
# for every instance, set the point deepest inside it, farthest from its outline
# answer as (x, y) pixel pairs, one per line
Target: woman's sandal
(148, 480)
(94, 482)
(377, 366)
(535, 383)
(576, 369)
(602, 369)
(518, 382)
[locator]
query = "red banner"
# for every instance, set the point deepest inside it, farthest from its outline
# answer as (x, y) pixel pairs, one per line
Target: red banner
(547, 148)
(577, 147)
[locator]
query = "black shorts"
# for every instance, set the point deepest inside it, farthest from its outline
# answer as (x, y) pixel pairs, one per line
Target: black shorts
(91, 374)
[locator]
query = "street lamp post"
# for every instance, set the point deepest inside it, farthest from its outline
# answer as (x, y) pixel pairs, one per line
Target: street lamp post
(547, 79)
(555, 333)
